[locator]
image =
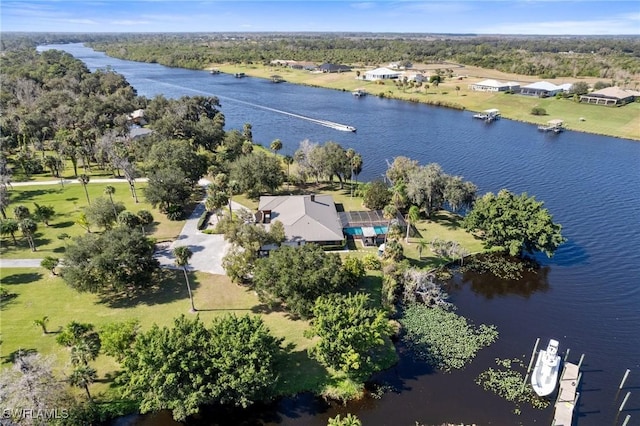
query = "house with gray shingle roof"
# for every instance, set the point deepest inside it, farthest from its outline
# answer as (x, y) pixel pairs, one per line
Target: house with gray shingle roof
(306, 218)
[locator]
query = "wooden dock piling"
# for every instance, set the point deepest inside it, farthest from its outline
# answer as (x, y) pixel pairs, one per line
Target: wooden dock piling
(533, 356)
(624, 401)
(624, 379)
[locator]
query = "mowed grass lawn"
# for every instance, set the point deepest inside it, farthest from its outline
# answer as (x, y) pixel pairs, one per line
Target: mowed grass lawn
(68, 203)
(35, 293)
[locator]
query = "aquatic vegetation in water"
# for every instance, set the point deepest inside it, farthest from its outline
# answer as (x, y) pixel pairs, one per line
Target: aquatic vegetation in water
(508, 383)
(443, 338)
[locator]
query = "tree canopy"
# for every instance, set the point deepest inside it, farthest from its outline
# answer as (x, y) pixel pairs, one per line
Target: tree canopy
(118, 260)
(189, 365)
(517, 223)
(350, 331)
(297, 276)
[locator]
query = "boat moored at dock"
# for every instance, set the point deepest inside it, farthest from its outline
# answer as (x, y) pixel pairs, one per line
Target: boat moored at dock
(545, 373)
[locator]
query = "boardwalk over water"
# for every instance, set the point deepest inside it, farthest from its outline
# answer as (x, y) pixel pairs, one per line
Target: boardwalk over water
(567, 396)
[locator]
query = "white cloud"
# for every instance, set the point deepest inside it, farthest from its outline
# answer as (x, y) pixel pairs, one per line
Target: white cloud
(80, 21)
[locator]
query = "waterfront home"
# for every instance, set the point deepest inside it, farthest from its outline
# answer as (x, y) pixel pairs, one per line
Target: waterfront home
(306, 219)
(610, 96)
(491, 85)
(543, 89)
(329, 68)
(381, 74)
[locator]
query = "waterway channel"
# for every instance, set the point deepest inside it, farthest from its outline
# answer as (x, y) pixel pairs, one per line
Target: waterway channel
(587, 296)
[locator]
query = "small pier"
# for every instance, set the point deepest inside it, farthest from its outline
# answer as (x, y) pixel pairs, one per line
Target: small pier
(488, 115)
(567, 395)
(555, 126)
(358, 93)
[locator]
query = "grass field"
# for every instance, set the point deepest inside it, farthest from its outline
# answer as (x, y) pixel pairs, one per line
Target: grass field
(68, 203)
(623, 122)
(35, 293)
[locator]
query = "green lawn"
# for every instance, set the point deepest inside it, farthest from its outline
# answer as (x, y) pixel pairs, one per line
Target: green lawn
(68, 203)
(35, 293)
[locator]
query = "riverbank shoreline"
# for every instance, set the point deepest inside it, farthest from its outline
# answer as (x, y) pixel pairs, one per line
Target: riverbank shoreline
(619, 122)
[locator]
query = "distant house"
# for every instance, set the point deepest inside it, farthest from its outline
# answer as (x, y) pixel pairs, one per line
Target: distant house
(381, 74)
(303, 65)
(493, 86)
(326, 67)
(306, 218)
(610, 96)
(541, 89)
(418, 77)
(137, 117)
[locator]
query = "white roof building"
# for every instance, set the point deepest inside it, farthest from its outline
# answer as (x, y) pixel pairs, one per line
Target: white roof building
(381, 74)
(491, 85)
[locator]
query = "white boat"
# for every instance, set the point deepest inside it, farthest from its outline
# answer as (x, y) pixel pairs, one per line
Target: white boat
(545, 374)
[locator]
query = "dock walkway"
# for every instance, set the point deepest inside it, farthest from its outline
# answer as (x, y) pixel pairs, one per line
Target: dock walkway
(567, 396)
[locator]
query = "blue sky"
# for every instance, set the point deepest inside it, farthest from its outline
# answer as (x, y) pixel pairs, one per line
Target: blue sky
(444, 16)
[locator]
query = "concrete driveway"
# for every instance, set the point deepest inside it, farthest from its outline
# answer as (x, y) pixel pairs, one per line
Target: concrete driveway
(208, 249)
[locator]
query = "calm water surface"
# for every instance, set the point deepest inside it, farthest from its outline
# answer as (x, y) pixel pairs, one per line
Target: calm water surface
(587, 296)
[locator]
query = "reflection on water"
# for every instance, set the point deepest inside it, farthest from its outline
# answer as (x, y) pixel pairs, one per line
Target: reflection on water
(490, 286)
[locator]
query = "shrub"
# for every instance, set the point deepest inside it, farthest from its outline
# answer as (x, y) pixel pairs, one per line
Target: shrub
(538, 111)
(204, 220)
(371, 262)
(175, 212)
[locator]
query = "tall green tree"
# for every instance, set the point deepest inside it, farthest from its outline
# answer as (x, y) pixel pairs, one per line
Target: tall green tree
(84, 181)
(297, 276)
(9, 227)
(118, 337)
(413, 216)
(102, 213)
(43, 213)
(425, 187)
(189, 365)
(517, 223)
(276, 145)
(28, 227)
(83, 341)
(182, 255)
(110, 190)
(256, 173)
(82, 376)
(118, 261)
(350, 330)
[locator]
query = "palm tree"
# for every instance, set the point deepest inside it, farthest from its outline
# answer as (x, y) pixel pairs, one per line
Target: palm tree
(42, 323)
(28, 228)
(276, 146)
(288, 160)
(9, 227)
(422, 244)
(145, 218)
(183, 254)
(82, 376)
(110, 190)
(84, 180)
(412, 217)
(356, 168)
(389, 212)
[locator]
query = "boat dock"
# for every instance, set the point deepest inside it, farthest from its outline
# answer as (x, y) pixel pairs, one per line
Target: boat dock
(488, 115)
(567, 395)
(555, 126)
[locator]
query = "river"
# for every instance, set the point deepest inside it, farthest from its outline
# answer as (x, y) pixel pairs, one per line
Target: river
(587, 296)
